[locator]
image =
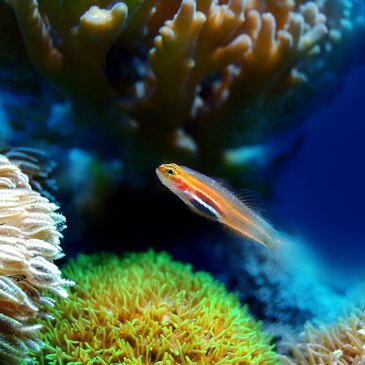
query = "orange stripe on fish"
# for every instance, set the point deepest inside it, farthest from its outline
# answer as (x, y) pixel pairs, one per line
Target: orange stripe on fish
(210, 199)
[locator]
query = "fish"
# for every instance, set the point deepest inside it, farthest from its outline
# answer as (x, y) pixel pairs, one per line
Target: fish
(210, 198)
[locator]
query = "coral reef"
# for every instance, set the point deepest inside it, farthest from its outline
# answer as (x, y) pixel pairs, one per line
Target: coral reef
(185, 79)
(29, 243)
(146, 308)
(342, 343)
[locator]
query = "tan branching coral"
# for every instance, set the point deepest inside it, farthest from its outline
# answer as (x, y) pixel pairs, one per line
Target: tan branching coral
(185, 48)
(77, 64)
(193, 76)
(29, 242)
(342, 343)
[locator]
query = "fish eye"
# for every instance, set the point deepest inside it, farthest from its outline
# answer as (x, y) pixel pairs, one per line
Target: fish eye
(170, 172)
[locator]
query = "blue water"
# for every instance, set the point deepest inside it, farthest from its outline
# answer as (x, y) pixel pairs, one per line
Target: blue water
(322, 187)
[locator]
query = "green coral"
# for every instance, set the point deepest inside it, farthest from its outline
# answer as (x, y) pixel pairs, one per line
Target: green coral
(147, 309)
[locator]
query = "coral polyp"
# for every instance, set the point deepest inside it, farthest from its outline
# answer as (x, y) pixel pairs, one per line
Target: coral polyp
(29, 243)
(146, 308)
(340, 343)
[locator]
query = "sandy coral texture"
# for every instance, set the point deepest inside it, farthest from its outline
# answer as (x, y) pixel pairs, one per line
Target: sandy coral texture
(29, 243)
(342, 343)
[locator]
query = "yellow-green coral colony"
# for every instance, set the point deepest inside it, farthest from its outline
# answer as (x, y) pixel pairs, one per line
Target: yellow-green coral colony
(147, 309)
(217, 63)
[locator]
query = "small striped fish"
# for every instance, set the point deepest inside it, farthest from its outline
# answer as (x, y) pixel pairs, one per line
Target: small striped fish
(210, 199)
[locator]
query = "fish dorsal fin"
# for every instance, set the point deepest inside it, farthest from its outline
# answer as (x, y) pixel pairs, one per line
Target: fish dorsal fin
(223, 183)
(252, 200)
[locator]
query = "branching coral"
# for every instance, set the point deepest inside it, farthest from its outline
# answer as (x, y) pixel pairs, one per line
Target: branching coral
(342, 343)
(192, 77)
(29, 242)
(146, 309)
(79, 66)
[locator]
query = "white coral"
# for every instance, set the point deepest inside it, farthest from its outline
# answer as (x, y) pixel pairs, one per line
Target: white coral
(29, 242)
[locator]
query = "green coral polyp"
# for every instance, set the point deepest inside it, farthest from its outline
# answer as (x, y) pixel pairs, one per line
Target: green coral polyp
(147, 309)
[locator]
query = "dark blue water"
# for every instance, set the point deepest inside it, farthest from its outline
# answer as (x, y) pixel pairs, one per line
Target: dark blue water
(322, 187)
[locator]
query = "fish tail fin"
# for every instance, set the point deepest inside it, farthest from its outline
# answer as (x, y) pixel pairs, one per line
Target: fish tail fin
(283, 248)
(283, 241)
(289, 251)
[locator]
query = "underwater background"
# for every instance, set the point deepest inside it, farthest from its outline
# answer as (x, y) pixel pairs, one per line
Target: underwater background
(265, 95)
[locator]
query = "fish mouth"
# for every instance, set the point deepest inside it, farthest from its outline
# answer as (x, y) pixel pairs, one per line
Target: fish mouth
(159, 172)
(161, 169)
